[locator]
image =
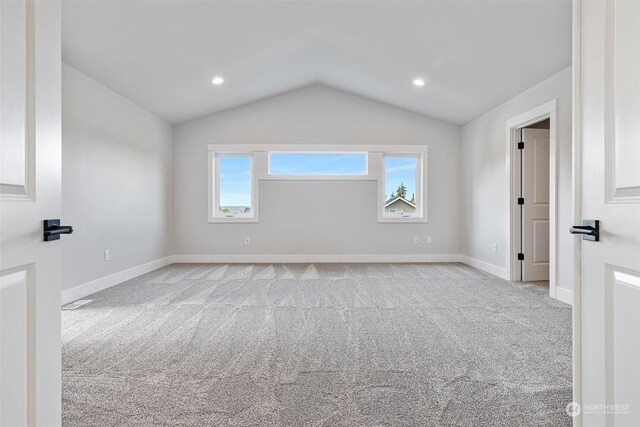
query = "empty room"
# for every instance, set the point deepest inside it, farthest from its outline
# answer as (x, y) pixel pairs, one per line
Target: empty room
(319, 213)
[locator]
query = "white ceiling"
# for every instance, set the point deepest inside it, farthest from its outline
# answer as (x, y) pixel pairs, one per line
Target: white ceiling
(473, 54)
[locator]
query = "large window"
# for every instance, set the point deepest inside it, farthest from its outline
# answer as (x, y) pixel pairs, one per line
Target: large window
(397, 173)
(402, 185)
(234, 186)
(318, 163)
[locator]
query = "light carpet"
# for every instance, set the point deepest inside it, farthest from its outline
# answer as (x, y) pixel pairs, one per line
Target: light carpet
(317, 345)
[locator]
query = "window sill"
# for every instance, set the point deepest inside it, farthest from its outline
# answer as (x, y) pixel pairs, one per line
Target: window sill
(244, 219)
(411, 219)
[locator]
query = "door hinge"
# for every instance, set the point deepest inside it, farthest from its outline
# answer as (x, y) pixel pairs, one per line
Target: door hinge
(521, 200)
(521, 145)
(520, 256)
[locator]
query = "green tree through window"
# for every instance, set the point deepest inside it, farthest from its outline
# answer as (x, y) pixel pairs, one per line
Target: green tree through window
(401, 191)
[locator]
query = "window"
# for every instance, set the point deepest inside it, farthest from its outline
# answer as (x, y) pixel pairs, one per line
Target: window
(234, 186)
(396, 174)
(402, 185)
(317, 163)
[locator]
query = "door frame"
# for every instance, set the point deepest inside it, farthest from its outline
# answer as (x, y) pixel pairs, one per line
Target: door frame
(576, 190)
(545, 111)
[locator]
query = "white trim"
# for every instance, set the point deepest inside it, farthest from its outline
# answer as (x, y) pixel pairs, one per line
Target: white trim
(501, 272)
(576, 150)
(401, 219)
(565, 295)
(532, 116)
(544, 111)
(310, 177)
(422, 197)
(81, 291)
(213, 189)
(333, 148)
(318, 258)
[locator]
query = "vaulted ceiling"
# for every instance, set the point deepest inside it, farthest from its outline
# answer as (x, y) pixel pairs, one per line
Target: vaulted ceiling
(162, 55)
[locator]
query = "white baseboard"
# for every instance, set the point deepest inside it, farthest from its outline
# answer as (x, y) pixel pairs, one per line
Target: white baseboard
(319, 258)
(501, 272)
(69, 295)
(564, 295)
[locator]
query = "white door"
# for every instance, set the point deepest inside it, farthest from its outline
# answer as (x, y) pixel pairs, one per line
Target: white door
(30, 166)
(607, 300)
(535, 210)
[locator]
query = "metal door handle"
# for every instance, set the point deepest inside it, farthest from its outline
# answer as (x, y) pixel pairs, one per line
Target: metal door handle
(590, 230)
(53, 229)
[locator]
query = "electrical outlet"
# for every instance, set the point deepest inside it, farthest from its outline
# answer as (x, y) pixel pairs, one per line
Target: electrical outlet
(107, 255)
(247, 240)
(428, 240)
(416, 240)
(494, 247)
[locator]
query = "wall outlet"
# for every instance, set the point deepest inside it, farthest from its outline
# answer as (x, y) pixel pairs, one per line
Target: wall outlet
(416, 240)
(494, 248)
(428, 240)
(107, 255)
(247, 240)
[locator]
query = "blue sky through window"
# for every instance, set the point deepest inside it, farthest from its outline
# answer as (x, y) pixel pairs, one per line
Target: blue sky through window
(318, 164)
(235, 181)
(235, 172)
(400, 170)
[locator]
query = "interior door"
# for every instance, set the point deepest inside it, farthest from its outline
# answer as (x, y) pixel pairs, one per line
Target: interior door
(535, 210)
(30, 172)
(607, 328)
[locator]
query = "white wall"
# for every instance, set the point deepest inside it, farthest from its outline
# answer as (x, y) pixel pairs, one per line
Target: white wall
(116, 182)
(128, 188)
(312, 217)
(484, 175)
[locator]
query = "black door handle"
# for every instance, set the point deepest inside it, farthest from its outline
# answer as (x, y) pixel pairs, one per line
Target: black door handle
(53, 229)
(590, 230)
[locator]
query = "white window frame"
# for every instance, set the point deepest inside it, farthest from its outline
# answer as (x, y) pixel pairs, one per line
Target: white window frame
(420, 214)
(214, 188)
(374, 172)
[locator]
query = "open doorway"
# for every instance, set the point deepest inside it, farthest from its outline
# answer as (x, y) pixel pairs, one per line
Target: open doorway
(533, 201)
(533, 196)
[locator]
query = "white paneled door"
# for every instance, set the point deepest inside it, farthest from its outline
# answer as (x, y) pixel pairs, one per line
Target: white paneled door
(30, 172)
(535, 210)
(607, 328)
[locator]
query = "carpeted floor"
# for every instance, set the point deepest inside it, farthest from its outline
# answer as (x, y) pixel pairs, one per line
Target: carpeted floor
(316, 345)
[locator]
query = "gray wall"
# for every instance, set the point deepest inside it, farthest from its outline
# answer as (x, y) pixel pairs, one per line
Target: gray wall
(485, 177)
(301, 217)
(128, 188)
(116, 182)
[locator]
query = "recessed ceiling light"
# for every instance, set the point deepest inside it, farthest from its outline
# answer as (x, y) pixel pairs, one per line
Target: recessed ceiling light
(418, 82)
(217, 80)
